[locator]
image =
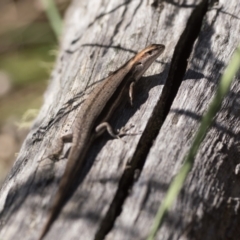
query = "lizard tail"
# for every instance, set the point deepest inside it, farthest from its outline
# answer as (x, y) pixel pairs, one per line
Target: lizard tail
(70, 175)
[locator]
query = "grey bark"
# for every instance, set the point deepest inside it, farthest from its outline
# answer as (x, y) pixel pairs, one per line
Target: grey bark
(123, 183)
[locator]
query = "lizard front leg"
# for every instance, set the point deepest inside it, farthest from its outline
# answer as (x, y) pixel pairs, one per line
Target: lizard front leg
(131, 92)
(106, 126)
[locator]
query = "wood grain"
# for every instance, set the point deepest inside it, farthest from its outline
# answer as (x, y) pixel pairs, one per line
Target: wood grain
(98, 37)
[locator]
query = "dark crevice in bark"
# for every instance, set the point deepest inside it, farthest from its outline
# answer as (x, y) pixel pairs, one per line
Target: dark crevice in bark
(175, 77)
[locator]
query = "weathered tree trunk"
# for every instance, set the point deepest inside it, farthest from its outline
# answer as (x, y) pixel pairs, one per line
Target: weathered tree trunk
(123, 183)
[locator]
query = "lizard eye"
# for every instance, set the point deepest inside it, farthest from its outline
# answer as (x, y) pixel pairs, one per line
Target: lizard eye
(139, 63)
(150, 52)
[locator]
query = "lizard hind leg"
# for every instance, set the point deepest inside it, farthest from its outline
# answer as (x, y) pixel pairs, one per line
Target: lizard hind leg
(59, 146)
(106, 126)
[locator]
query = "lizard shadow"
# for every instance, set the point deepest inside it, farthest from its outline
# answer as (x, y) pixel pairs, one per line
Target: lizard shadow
(126, 112)
(143, 88)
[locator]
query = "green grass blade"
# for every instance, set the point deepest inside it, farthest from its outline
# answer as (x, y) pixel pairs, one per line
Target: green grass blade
(207, 120)
(53, 16)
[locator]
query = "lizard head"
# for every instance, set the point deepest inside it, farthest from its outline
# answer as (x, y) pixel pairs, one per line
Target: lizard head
(144, 59)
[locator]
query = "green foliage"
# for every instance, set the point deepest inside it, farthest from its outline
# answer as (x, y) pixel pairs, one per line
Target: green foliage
(207, 120)
(53, 16)
(25, 65)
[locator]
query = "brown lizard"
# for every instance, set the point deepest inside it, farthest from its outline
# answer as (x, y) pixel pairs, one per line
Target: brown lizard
(91, 121)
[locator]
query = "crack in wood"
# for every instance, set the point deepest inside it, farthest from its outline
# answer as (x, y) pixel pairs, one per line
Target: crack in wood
(175, 77)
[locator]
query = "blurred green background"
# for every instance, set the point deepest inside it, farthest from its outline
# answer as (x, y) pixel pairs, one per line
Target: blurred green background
(29, 31)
